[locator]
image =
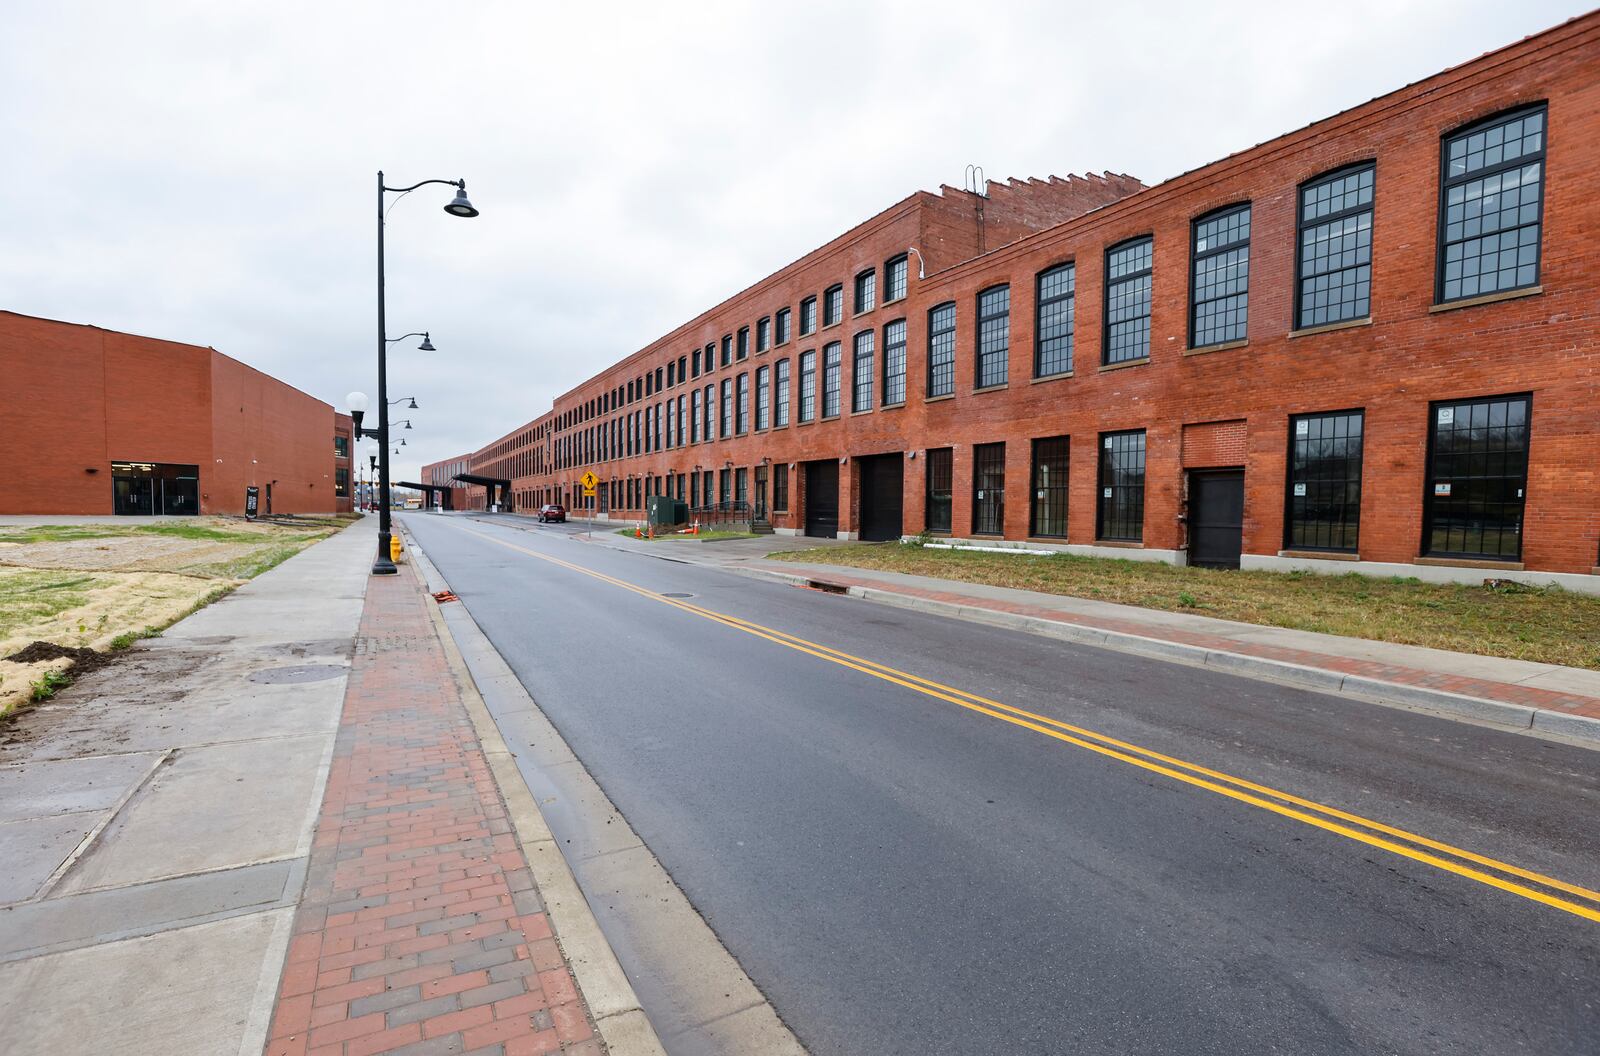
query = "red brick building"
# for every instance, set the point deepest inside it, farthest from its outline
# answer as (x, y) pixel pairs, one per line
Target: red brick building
(1367, 345)
(101, 422)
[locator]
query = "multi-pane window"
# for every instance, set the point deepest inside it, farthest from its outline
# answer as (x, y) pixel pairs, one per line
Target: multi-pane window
(763, 394)
(894, 279)
(780, 395)
(658, 427)
(707, 429)
(1324, 501)
(866, 291)
(988, 489)
(724, 487)
(672, 374)
(780, 487)
(683, 363)
(894, 363)
(808, 386)
(1477, 476)
(1057, 309)
(341, 446)
(1334, 263)
(781, 327)
(832, 354)
(659, 373)
(940, 481)
(727, 408)
(672, 421)
(341, 481)
(763, 334)
(1219, 294)
(832, 304)
(694, 364)
(742, 423)
(1049, 488)
(994, 335)
(744, 342)
(710, 354)
(1491, 206)
(694, 417)
(727, 349)
(942, 350)
(808, 316)
(1128, 273)
(1121, 509)
(863, 375)
(741, 485)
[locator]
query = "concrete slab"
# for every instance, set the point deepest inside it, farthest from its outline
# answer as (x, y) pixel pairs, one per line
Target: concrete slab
(47, 788)
(210, 808)
(182, 992)
(30, 850)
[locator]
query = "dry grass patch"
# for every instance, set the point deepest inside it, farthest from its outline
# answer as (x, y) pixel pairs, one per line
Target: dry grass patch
(1548, 625)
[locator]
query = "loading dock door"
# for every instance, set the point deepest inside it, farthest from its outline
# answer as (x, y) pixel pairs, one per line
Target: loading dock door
(882, 480)
(822, 499)
(1216, 517)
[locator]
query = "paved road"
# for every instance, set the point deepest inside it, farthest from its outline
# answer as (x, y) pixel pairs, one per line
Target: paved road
(907, 869)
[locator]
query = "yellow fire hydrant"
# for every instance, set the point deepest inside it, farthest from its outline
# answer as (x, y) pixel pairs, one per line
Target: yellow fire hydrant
(395, 548)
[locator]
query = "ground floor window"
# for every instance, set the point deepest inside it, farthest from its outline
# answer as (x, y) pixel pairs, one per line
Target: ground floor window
(939, 471)
(724, 487)
(1050, 487)
(780, 487)
(1324, 508)
(341, 482)
(1121, 513)
(144, 489)
(741, 484)
(1477, 476)
(989, 489)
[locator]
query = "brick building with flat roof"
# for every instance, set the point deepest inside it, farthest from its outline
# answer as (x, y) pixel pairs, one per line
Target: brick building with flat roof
(1367, 345)
(101, 422)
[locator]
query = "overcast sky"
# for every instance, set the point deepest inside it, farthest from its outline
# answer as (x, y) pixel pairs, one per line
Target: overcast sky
(206, 171)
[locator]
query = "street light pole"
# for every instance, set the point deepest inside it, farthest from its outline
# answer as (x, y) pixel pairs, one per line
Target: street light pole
(459, 206)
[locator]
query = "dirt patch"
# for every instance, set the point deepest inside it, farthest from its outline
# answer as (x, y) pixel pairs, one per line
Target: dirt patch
(83, 658)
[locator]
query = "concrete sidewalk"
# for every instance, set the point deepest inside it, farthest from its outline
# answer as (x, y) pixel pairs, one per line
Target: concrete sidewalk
(174, 879)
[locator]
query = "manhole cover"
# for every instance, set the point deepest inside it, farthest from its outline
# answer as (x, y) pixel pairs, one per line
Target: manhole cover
(299, 673)
(677, 595)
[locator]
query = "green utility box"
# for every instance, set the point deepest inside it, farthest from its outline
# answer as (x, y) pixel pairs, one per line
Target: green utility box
(667, 512)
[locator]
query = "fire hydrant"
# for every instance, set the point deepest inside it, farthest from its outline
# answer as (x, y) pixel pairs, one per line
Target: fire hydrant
(395, 548)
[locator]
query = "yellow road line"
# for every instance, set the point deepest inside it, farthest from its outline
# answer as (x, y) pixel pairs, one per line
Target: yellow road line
(1236, 788)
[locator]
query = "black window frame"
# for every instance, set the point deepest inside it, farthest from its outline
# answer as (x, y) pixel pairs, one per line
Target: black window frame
(982, 356)
(989, 502)
(832, 308)
(864, 289)
(725, 356)
(832, 379)
(1430, 495)
(1052, 495)
(1041, 303)
(1102, 509)
(1301, 225)
(742, 345)
(857, 390)
(725, 409)
(942, 370)
(1197, 256)
(1293, 537)
(806, 408)
(780, 487)
(780, 327)
(1110, 287)
(896, 276)
(894, 364)
(781, 377)
(741, 409)
(1447, 183)
(763, 334)
(763, 397)
(939, 489)
(808, 315)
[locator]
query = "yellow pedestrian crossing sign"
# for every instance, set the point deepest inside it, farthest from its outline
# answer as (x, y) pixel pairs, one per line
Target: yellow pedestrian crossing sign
(588, 480)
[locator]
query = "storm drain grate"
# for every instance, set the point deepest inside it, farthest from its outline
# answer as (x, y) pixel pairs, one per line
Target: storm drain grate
(826, 587)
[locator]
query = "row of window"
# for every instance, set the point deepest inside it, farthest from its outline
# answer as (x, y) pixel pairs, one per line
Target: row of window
(1473, 497)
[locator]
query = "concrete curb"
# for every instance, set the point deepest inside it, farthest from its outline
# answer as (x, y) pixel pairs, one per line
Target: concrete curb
(618, 1017)
(1540, 722)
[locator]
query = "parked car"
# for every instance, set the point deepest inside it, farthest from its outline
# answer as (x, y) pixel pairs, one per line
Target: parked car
(551, 511)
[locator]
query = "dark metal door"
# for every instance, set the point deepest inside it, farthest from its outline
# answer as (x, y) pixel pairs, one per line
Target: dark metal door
(822, 498)
(882, 480)
(1216, 517)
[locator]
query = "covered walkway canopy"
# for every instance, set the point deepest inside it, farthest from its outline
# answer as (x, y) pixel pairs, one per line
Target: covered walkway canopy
(490, 484)
(429, 491)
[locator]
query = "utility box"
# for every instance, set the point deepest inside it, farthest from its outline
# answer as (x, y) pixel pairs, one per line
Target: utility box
(667, 512)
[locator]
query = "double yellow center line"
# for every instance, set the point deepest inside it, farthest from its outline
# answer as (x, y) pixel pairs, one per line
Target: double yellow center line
(1526, 883)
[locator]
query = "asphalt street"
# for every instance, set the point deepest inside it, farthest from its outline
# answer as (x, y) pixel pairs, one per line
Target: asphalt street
(922, 835)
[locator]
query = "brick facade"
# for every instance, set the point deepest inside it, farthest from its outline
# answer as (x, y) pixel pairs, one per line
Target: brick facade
(1226, 405)
(77, 398)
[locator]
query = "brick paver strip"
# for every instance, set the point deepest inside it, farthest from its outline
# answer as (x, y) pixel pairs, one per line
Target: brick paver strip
(1488, 689)
(420, 929)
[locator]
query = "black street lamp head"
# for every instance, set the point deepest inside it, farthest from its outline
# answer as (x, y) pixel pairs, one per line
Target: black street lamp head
(413, 404)
(460, 205)
(426, 346)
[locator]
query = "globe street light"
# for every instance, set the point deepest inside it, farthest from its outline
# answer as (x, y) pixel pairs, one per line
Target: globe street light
(458, 206)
